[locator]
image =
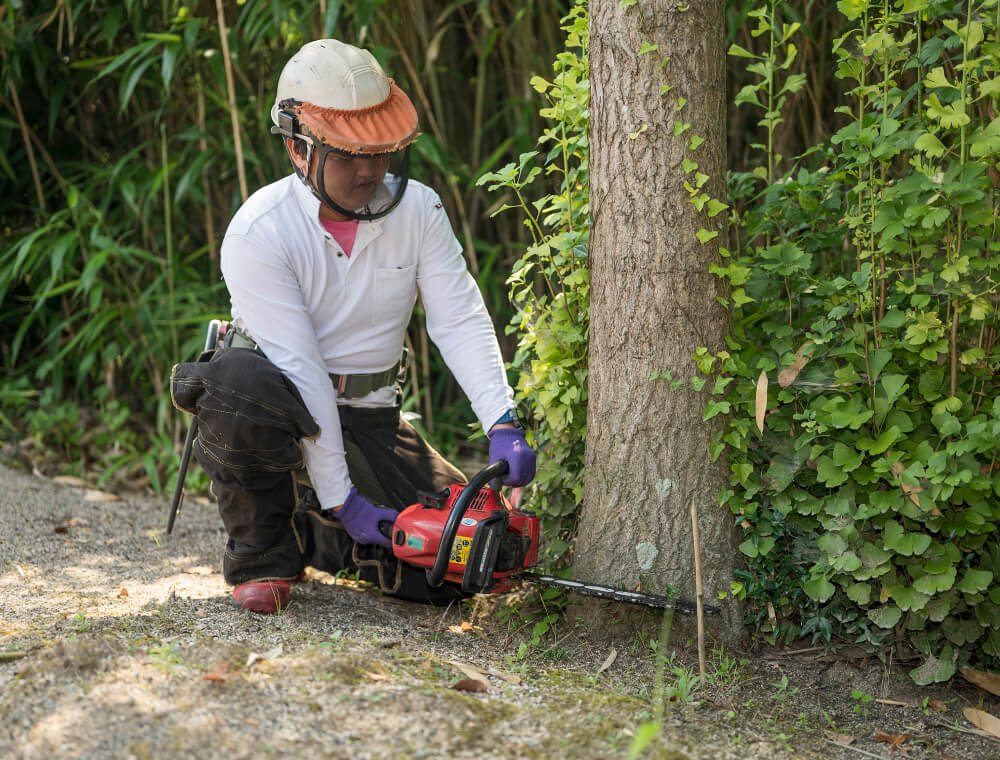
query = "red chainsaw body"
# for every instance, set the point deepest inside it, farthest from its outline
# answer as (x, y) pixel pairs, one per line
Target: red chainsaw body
(418, 529)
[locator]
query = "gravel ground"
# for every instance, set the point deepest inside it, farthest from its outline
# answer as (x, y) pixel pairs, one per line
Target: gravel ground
(117, 641)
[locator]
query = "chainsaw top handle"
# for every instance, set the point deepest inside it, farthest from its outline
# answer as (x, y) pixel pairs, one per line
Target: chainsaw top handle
(435, 576)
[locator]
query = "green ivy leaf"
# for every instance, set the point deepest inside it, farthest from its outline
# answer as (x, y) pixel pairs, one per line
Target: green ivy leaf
(951, 115)
(704, 235)
(738, 51)
(935, 669)
(885, 617)
(852, 8)
(819, 589)
(846, 458)
(860, 594)
(907, 597)
(907, 544)
(932, 584)
(829, 473)
(975, 581)
(715, 207)
(832, 544)
(715, 408)
(937, 79)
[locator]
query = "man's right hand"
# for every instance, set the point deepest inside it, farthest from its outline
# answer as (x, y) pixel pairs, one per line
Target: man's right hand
(361, 519)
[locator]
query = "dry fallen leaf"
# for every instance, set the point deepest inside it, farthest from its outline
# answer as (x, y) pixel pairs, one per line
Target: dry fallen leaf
(92, 495)
(123, 593)
(988, 723)
(465, 627)
(935, 705)
(760, 404)
(251, 722)
(839, 738)
(470, 684)
(508, 677)
(893, 740)
(469, 671)
(221, 673)
(988, 681)
(61, 528)
(612, 656)
(787, 376)
(69, 480)
(270, 654)
(910, 491)
(377, 676)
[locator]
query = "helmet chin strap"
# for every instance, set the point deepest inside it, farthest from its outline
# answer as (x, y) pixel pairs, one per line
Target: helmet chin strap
(319, 188)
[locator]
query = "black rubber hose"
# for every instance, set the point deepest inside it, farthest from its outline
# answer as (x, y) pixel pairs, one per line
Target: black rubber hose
(435, 576)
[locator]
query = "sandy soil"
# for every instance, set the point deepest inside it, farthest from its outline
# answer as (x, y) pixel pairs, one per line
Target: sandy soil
(117, 641)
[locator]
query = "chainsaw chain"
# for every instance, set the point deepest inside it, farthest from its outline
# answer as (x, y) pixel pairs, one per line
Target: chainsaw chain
(633, 597)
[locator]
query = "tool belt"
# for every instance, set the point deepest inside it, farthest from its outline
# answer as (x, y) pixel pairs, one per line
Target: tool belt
(348, 386)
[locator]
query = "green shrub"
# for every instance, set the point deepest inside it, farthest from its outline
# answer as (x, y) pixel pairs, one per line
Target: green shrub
(550, 286)
(865, 328)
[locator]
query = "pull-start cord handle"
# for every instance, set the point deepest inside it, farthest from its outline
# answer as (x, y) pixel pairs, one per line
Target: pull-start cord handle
(435, 576)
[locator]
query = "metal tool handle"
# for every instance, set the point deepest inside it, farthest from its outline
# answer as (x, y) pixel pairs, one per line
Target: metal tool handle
(211, 342)
(435, 576)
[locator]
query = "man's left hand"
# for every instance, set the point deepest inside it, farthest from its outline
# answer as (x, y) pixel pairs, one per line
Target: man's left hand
(508, 442)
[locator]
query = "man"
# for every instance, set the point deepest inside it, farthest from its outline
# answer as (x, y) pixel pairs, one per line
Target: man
(323, 269)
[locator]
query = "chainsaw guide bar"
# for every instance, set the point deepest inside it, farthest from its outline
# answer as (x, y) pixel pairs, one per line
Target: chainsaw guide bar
(619, 595)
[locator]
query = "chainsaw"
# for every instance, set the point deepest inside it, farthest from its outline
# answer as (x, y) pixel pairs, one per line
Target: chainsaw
(470, 535)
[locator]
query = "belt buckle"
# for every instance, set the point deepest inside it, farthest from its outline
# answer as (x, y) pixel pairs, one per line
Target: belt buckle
(404, 366)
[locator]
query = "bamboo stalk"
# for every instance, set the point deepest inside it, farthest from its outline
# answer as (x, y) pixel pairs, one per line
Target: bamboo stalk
(953, 345)
(26, 136)
(231, 91)
(698, 589)
(168, 235)
(213, 252)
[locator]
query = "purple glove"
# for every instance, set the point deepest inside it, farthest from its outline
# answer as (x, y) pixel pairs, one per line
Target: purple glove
(509, 443)
(360, 519)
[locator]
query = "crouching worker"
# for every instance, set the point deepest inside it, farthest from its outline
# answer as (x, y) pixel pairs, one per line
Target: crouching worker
(298, 415)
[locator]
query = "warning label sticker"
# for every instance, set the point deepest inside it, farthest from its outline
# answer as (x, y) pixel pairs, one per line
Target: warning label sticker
(460, 550)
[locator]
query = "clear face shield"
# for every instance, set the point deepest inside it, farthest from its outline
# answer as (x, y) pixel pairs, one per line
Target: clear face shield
(347, 175)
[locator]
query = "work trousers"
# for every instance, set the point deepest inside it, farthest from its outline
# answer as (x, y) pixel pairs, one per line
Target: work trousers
(251, 420)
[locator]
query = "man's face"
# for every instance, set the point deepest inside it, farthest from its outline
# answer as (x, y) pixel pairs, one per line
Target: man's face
(350, 180)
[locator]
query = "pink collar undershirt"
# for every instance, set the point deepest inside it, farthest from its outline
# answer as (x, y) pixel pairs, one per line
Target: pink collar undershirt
(343, 232)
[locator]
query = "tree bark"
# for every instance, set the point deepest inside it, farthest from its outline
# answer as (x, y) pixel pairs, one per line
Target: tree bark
(653, 302)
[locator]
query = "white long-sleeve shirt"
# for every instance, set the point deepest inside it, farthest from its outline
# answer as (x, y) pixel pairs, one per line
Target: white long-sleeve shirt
(314, 310)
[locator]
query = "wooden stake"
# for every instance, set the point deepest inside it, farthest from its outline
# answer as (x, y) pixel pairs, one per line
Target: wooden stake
(26, 135)
(698, 589)
(233, 113)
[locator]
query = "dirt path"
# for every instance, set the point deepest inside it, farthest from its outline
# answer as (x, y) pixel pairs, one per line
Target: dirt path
(118, 642)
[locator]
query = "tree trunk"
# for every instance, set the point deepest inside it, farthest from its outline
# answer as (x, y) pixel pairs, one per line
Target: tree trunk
(653, 302)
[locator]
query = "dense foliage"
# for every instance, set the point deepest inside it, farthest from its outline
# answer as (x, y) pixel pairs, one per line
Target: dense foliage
(865, 341)
(550, 285)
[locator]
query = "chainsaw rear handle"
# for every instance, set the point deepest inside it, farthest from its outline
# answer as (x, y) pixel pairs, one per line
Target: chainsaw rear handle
(435, 576)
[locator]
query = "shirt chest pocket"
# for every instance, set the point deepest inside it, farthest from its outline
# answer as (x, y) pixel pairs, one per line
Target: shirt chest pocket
(395, 292)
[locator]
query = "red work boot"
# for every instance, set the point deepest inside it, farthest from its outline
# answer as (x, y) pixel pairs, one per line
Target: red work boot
(265, 597)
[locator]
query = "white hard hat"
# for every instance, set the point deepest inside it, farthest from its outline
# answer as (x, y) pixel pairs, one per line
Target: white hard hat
(332, 74)
(327, 80)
